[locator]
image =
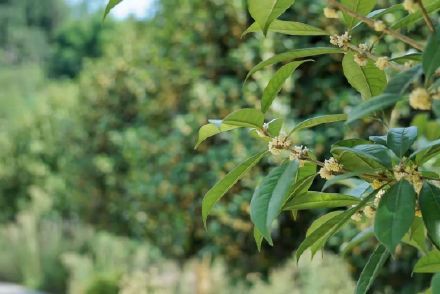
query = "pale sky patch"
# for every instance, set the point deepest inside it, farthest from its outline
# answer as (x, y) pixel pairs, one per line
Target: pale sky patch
(136, 8)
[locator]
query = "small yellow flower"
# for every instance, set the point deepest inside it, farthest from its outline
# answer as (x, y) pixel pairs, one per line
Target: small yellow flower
(278, 144)
(369, 211)
(379, 26)
(420, 99)
(340, 41)
(378, 196)
(418, 213)
(330, 13)
(410, 6)
(298, 153)
(357, 217)
(360, 59)
(376, 184)
(382, 62)
(363, 47)
(330, 168)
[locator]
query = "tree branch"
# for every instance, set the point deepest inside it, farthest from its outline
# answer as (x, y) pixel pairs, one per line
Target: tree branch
(426, 16)
(413, 43)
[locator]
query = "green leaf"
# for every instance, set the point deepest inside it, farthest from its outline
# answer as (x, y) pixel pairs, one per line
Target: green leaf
(340, 178)
(291, 28)
(362, 7)
(371, 269)
(320, 235)
(111, 4)
(258, 238)
(435, 283)
(367, 80)
(372, 105)
(264, 12)
(429, 201)
(430, 263)
(274, 126)
(395, 214)
(292, 55)
(304, 180)
(276, 83)
(271, 195)
(382, 140)
(223, 186)
(246, 117)
(431, 55)
(417, 235)
(407, 57)
(401, 139)
(359, 239)
(316, 225)
(425, 153)
(357, 160)
(210, 130)
(400, 82)
(319, 120)
(415, 17)
(313, 199)
(379, 152)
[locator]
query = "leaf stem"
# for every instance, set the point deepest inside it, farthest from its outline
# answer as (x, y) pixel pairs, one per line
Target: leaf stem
(426, 16)
(413, 43)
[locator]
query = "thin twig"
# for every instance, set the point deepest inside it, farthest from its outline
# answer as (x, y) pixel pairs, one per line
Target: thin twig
(374, 58)
(370, 23)
(426, 16)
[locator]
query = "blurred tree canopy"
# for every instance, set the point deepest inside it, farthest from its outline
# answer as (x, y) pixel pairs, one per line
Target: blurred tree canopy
(112, 141)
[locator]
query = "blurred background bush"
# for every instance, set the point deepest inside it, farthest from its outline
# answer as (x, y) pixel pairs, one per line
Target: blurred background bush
(100, 185)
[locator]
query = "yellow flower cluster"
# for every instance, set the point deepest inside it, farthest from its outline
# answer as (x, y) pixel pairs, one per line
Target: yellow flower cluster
(409, 173)
(382, 62)
(340, 41)
(410, 6)
(278, 144)
(360, 59)
(379, 26)
(298, 153)
(330, 168)
(357, 217)
(330, 13)
(420, 99)
(369, 211)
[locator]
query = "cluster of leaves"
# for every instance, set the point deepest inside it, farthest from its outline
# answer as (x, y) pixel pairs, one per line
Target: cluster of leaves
(382, 162)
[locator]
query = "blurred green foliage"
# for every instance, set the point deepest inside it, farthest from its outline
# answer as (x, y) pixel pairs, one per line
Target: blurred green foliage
(102, 118)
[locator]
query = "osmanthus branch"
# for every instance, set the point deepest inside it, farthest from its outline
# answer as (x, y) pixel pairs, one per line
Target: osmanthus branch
(413, 43)
(374, 57)
(426, 16)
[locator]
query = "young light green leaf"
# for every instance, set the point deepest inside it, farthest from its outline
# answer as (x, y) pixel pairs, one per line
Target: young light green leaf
(430, 263)
(210, 130)
(417, 235)
(360, 238)
(111, 4)
(313, 199)
(415, 17)
(395, 214)
(429, 200)
(270, 196)
(319, 120)
(372, 105)
(320, 235)
(371, 269)
(276, 83)
(291, 28)
(258, 238)
(401, 139)
(246, 117)
(426, 152)
(317, 224)
(362, 7)
(367, 80)
(274, 126)
(431, 55)
(223, 186)
(264, 12)
(292, 55)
